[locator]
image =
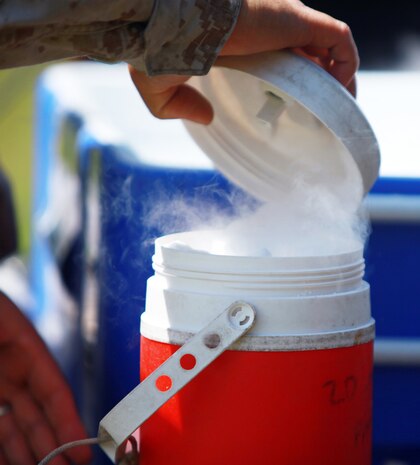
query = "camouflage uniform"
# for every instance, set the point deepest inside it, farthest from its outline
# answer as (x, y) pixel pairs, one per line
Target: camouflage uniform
(157, 36)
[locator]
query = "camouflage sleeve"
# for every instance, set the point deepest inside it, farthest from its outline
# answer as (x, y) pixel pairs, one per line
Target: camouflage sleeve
(156, 36)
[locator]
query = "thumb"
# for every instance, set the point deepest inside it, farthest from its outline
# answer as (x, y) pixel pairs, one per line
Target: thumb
(169, 97)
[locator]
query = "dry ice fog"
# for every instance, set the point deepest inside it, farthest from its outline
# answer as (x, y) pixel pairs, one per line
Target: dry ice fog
(318, 213)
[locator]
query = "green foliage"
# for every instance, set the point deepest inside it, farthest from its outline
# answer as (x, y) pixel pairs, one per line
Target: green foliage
(16, 140)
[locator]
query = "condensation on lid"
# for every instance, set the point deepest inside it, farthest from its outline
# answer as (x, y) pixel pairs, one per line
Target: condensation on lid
(279, 121)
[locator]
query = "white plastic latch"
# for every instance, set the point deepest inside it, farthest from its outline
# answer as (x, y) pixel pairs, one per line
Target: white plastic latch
(119, 424)
(272, 109)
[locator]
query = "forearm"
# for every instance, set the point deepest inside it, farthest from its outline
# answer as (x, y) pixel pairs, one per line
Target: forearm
(162, 36)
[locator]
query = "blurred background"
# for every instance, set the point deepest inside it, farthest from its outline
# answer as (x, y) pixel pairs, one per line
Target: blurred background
(387, 33)
(16, 141)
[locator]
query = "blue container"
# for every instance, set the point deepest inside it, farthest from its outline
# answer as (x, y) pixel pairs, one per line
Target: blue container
(393, 257)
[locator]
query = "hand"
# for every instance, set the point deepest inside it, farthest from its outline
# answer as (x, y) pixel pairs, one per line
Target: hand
(263, 25)
(43, 414)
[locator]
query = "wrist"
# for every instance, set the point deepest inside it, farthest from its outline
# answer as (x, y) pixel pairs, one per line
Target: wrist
(191, 48)
(236, 42)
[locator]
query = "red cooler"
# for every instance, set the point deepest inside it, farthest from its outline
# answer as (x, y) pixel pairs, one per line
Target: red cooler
(295, 390)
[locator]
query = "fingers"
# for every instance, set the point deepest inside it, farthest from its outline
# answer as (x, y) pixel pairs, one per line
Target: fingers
(169, 97)
(321, 57)
(336, 37)
(352, 86)
(266, 25)
(35, 427)
(30, 431)
(50, 390)
(26, 435)
(3, 460)
(44, 413)
(13, 445)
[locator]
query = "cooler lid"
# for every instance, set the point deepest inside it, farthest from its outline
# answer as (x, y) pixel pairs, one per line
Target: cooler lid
(281, 120)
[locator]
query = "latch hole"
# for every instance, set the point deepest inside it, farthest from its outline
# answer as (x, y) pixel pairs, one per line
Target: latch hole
(239, 317)
(164, 383)
(211, 340)
(188, 361)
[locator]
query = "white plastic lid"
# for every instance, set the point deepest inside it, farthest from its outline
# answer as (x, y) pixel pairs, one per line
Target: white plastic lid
(281, 120)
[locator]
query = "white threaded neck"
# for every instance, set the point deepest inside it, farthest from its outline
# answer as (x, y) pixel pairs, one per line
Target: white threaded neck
(287, 276)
